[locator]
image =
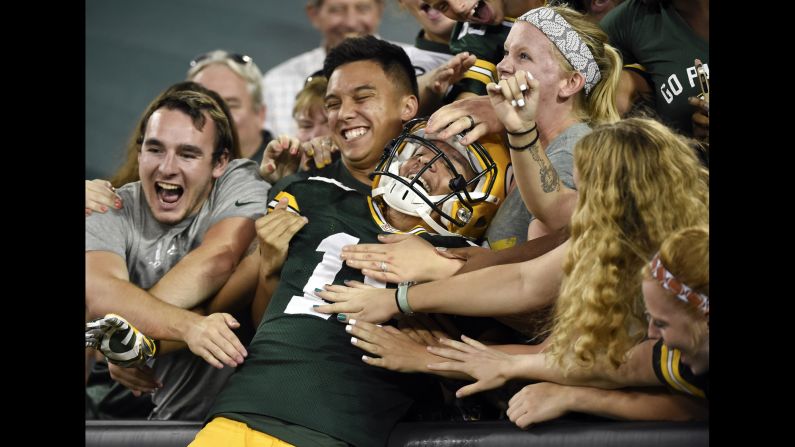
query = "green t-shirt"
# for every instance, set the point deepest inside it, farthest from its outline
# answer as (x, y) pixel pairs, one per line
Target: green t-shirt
(657, 42)
(486, 42)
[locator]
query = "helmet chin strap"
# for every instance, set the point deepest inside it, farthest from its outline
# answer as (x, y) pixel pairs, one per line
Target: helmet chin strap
(426, 216)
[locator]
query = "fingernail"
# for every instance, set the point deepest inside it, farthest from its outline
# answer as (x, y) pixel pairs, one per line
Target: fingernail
(103, 208)
(441, 248)
(529, 75)
(318, 290)
(352, 322)
(365, 358)
(523, 87)
(342, 317)
(346, 281)
(513, 102)
(520, 102)
(348, 328)
(353, 340)
(315, 305)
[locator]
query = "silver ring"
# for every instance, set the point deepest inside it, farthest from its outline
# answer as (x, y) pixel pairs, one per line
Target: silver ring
(471, 123)
(383, 266)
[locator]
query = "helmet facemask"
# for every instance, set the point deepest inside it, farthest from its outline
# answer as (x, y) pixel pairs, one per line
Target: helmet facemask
(409, 195)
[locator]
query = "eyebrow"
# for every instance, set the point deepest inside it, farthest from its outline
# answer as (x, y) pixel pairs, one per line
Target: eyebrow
(356, 90)
(192, 148)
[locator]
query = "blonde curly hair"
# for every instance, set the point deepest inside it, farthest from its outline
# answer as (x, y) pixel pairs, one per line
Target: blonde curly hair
(638, 183)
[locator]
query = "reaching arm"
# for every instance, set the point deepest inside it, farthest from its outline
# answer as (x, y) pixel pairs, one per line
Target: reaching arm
(108, 290)
(203, 271)
(493, 291)
(492, 366)
(544, 401)
(510, 288)
(433, 85)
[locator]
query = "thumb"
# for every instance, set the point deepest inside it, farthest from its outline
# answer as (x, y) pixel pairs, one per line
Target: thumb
(282, 205)
(392, 238)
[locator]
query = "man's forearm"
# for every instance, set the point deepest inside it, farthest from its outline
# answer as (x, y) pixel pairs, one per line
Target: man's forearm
(202, 272)
(150, 315)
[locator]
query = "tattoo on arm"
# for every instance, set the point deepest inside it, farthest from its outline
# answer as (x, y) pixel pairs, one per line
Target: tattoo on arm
(549, 176)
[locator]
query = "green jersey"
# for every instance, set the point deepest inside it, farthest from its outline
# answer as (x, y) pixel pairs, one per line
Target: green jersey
(301, 366)
(486, 42)
(661, 46)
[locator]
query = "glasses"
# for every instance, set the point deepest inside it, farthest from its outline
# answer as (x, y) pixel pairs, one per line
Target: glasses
(241, 59)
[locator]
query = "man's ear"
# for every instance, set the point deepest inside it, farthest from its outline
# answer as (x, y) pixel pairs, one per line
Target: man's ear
(261, 114)
(220, 165)
(410, 107)
(312, 12)
(601, 6)
(571, 85)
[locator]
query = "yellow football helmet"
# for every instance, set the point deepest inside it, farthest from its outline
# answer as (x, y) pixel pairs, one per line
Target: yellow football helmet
(468, 209)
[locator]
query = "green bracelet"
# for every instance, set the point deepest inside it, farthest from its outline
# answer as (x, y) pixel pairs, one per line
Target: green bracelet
(402, 297)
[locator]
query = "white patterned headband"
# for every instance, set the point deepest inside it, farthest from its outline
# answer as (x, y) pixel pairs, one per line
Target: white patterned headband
(568, 41)
(669, 282)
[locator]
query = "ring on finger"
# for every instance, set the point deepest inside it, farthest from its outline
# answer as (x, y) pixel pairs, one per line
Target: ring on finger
(471, 123)
(383, 266)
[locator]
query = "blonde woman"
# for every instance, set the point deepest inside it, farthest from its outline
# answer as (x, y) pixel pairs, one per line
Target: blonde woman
(676, 294)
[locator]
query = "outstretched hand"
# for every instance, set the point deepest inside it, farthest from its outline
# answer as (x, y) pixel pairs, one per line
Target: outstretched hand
(452, 71)
(119, 341)
(484, 364)
(401, 257)
(394, 349)
(317, 151)
(280, 159)
(358, 301)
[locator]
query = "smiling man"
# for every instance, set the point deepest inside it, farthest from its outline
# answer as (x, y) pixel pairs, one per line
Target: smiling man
(182, 231)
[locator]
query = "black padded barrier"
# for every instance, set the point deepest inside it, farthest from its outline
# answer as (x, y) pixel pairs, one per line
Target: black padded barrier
(440, 434)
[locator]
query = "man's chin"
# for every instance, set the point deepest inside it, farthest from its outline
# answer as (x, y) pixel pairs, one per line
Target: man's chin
(169, 217)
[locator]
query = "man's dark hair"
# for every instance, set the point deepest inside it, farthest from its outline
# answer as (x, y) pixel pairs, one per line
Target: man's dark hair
(392, 59)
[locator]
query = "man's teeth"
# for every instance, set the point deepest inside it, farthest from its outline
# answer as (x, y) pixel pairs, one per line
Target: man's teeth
(422, 183)
(353, 133)
(167, 185)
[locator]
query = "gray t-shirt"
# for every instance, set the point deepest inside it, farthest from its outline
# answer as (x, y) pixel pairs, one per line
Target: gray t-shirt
(509, 226)
(151, 249)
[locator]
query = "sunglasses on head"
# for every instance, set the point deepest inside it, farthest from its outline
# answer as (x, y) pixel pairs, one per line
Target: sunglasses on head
(241, 59)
